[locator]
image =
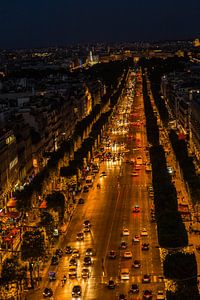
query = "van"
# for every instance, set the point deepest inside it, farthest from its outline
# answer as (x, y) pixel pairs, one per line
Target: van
(89, 180)
(125, 274)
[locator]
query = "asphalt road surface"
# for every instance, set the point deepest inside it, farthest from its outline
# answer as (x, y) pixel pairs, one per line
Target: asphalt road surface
(109, 210)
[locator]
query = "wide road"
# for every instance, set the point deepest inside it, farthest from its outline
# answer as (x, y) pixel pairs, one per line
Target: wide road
(109, 210)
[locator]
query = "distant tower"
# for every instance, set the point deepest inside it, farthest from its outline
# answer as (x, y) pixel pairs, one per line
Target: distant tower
(91, 57)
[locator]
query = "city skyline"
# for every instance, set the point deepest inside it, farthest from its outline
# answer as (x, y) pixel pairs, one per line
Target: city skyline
(36, 24)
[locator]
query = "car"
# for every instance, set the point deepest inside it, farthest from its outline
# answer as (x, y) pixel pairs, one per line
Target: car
(160, 295)
(73, 262)
(145, 246)
(136, 209)
(81, 201)
(103, 174)
(86, 229)
(52, 275)
(134, 289)
(112, 254)
(146, 278)
(76, 253)
(85, 189)
(87, 261)
(54, 260)
(137, 167)
(125, 232)
(147, 294)
(151, 194)
(136, 263)
(122, 297)
(59, 253)
(76, 291)
(150, 188)
(90, 252)
(134, 174)
(148, 167)
(68, 250)
(85, 273)
(123, 245)
(86, 223)
(139, 160)
(47, 292)
(144, 232)
(136, 239)
(128, 254)
(80, 236)
(111, 284)
(72, 272)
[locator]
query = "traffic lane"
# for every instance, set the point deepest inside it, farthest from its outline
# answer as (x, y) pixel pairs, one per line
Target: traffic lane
(116, 234)
(98, 204)
(103, 228)
(76, 225)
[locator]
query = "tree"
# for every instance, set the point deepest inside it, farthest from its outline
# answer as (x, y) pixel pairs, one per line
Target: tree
(33, 245)
(56, 201)
(47, 221)
(13, 272)
(32, 248)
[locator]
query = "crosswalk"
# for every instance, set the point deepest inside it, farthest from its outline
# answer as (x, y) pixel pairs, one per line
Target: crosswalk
(132, 279)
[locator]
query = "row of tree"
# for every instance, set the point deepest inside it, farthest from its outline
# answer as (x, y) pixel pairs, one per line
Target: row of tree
(171, 230)
(186, 164)
(24, 197)
(156, 68)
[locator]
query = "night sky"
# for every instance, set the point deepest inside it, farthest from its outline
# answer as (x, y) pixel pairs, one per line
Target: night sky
(38, 23)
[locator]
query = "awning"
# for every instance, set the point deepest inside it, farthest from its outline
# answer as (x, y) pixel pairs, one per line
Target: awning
(11, 203)
(43, 204)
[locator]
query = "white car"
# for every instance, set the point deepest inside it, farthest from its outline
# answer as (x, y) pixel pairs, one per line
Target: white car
(160, 295)
(127, 254)
(72, 272)
(144, 232)
(139, 160)
(134, 174)
(136, 239)
(125, 232)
